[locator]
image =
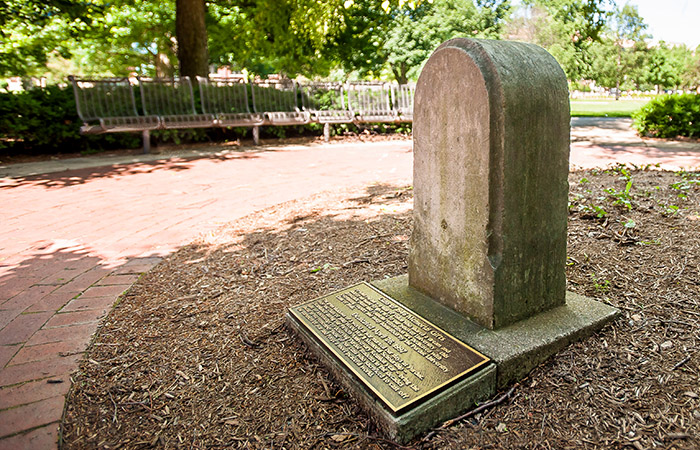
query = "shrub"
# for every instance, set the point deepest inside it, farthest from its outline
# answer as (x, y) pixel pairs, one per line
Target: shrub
(669, 116)
(46, 120)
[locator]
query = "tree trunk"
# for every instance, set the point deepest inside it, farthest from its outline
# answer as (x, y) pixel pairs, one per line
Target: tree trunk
(400, 72)
(618, 74)
(164, 68)
(191, 32)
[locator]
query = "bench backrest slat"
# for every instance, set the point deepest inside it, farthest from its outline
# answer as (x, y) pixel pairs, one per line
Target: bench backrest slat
(403, 98)
(223, 95)
(370, 97)
(275, 96)
(101, 98)
(167, 96)
(322, 96)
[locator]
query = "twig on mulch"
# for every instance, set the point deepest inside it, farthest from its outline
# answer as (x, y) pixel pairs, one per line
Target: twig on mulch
(114, 416)
(681, 362)
(246, 341)
(473, 412)
(371, 238)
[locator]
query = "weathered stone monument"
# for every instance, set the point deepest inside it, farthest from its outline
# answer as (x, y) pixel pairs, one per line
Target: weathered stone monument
(485, 298)
(490, 182)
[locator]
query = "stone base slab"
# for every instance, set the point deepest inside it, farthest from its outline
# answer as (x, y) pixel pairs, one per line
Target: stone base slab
(514, 351)
(517, 348)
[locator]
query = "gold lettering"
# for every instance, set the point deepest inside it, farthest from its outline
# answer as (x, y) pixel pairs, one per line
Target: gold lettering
(382, 341)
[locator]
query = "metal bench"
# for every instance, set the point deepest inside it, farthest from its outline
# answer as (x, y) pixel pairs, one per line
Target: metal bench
(371, 102)
(227, 100)
(277, 101)
(172, 100)
(403, 101)
(108, 106)
(326, 103)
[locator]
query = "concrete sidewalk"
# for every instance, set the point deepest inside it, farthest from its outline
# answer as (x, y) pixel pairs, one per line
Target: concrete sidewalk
(78, 233)
(602, 141)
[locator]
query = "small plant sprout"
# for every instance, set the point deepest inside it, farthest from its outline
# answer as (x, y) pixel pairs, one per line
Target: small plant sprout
(600, 285)
(326, 266)
(623, 198)
(622, 170)
(688, 181)
(600, 212)
(593, 209)
(576, 200)
(647, 167)
(671, 210)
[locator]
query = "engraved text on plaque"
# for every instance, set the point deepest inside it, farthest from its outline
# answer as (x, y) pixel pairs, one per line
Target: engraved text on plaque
(400, 356)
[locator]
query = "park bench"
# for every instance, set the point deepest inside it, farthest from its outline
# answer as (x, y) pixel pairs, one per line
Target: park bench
(326, 103)
(370, 102)
(228, 100)
(277, 101)
(172, 100)
(108, 105)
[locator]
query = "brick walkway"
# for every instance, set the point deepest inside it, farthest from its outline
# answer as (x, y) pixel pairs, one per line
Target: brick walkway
(73, 241)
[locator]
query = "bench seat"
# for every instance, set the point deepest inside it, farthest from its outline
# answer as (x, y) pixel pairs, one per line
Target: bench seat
(178, 121)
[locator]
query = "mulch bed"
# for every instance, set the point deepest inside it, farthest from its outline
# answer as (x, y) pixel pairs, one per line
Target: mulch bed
(196, 355)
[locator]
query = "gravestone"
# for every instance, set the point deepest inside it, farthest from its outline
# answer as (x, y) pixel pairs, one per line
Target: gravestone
(491, 161)
(485, 298)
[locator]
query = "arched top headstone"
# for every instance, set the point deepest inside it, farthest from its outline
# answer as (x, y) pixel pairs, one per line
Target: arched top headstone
(491, 156)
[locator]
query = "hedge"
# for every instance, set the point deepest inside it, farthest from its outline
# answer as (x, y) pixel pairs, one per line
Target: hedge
(46, 120)
(669, 116)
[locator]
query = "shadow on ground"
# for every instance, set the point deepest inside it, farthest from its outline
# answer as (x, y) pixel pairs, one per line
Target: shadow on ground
(604, 123)
(49, 267)
(81, 176)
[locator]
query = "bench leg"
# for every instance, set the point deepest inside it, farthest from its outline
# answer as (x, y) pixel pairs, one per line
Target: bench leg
(146, 134)
(256, 135)
(327, 132)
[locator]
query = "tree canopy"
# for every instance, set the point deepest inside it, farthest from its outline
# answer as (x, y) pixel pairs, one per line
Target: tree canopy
(31, 30)
(619, 58)
(391, 39)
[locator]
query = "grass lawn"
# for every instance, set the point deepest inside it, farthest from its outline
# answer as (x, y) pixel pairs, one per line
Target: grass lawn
(606, 107)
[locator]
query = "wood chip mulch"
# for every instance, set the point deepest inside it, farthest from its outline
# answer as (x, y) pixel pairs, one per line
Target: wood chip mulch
(196, 355)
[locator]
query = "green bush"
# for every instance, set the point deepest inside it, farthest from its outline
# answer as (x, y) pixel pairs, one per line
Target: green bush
(669, 116)
(45, 120)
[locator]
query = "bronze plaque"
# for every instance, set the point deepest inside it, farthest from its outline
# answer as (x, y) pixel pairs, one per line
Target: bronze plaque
(397, 354)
